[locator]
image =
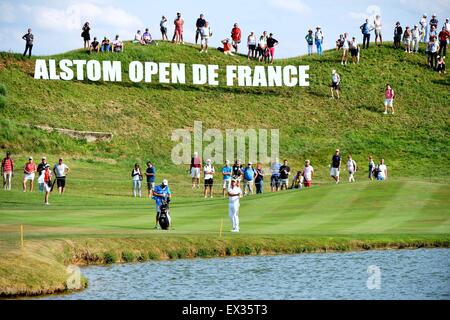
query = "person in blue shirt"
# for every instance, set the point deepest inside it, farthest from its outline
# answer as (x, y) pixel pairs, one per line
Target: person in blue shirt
(150, 174)
(275, 178)
(249, 176)
(226, 172)
(365, 29)
(161, 193)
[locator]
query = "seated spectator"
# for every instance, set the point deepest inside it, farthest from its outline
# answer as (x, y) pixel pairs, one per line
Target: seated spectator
(138, 38)
(339, 42)
(105, 45)
(95, 46)
(117, 45)
(297, 182)
(227, 47)
(147, 37)
(440, 66)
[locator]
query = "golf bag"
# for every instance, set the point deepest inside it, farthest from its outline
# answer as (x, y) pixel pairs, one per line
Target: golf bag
(164, 215)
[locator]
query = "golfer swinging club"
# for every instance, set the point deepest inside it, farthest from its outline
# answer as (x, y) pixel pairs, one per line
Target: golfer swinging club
(234, 194)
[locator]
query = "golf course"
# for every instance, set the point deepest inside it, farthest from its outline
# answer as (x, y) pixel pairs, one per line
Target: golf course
(97, 221)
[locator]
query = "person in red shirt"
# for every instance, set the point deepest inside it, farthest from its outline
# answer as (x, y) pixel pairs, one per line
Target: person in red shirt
(236, 36)
(47, 182)
(29, 171)
(227, 47)
(7, 171)
(178, 34)
(443, 36)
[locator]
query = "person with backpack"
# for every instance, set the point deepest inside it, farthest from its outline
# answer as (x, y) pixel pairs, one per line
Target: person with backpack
(310, 41)
(318, 39)
(351, 167)
(389, 96)
(335, 84)
(365, 29)
(249, 176)
(7, 171)
(308, 174)
(205, 33)
(136, 177)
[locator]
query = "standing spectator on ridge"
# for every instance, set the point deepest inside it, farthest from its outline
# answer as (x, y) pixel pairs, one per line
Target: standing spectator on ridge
(310, 41)
(226, 173)
(339, 42)
(443, 36)
(259, 179)
(136, 177)
(178, 33)
(208, 171)
(407, 39)
(95, 46)
(163, 28)
(318, 39)
(251, 44)
(354, 50)
(382, 171)
(365, 29)
(234, 194)
(271, 43)
(433, 32)
(150, 174)
(29, 172)
(371, 167)
(285, 171)
(398, 32)
(117, 44)
(351, 167)
(345, 49)
(415, 34)
(275, 178)
(433, 49)
(335, 166)
(308, 174)
(61, 171)
(205, 33)
(85, 34)
(40, 171)
(423, 28)
(389, 96)
(199, 24)
(196, 165)
(236, 37)
(29, 39)
(434, 22)
(47, 182)
(378, 25)
(262, 46)
(335, 84)
(249, 176)
(7, 171)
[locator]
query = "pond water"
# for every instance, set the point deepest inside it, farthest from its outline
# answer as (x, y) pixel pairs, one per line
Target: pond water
(385, 274)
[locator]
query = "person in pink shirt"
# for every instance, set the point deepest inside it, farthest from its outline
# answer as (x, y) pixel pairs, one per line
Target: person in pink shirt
(178, 34)
(7, 171)
(29, 171)
(389, 96)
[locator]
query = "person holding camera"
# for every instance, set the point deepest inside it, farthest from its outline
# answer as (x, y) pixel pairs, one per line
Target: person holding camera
(136, 177)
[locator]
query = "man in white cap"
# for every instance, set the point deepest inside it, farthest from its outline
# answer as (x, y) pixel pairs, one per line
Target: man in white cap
(234, 195)
(208, 171)
(196, 164)
(161, 193)
(335, 84)
(29, 170)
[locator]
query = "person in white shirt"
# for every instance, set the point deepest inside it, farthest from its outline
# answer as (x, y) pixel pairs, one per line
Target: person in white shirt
(415, 34)
(354, 50)
(382, 171)
(424, 29)
(138, 38)
(117, 45)
(345, 49)
(377, 24)
(335, 84)
(208, 171)
(136, 177)
(234, 195)
(308, 174)
(251, 44)
(61, 170)
(351, 167)
(205, 33)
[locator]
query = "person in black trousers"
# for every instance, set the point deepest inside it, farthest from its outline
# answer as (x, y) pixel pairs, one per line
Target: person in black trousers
(28, 42)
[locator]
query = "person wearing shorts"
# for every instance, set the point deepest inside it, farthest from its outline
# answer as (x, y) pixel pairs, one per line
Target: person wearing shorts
(163, 28)
(285, 171)
(226, 173)
(345, 48)
(150, 174)
(335, 166)
(47, 182)
(7, 171)
(335, 84)
(249, 177)
(351, 167)
(235, 37)
(205, 33)
(259, 179)
(271, 43)
(40, 172)
(60, 170)
(29, 173)
(196, 164)
(389, 96)
(382, 171)
(308, 174)
(199, 25)
(178, 34)
(251, 44)
(208, 171)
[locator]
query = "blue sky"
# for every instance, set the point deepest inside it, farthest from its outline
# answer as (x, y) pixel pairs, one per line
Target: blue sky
(57, 24)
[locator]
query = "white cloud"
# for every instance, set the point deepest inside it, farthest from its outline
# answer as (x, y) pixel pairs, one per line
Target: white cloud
(370, 14)
(7, 12)
(295, 6)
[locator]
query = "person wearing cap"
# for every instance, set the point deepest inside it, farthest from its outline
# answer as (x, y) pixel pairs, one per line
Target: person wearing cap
(308, 174)
(318, 39)
(208, 171)
(398, 32)
(434, 22)
(251, 45)
(47, 182)
(285, 171)
(310, 41)
(7, 171)
(444, 35)
(236, 36)
(423, 28)
(335, 166)
(271, 43)
(28, 174)
(61, 170)
(194, 169)
(226, 173)
(249, 177)
(200, 23)
(234, 195)
(275, 178)
(40, 171)
(378, 25)
(178, 33)
(415, 38)
(161, 193)
(335, 84)
(259, 179)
